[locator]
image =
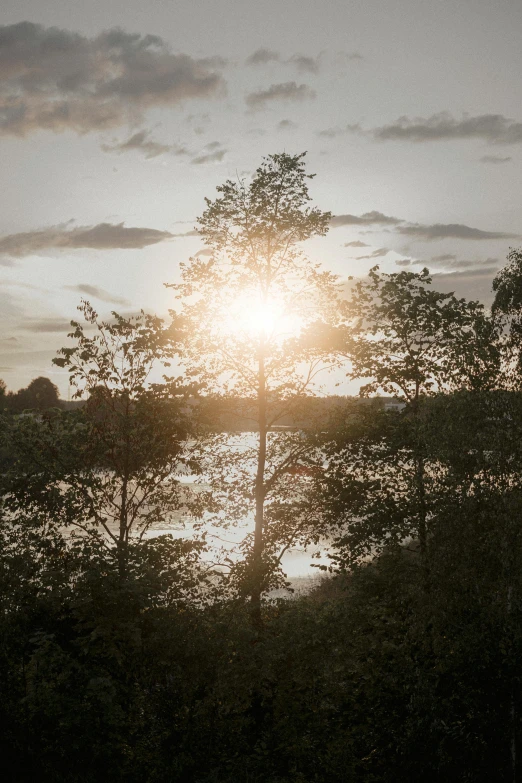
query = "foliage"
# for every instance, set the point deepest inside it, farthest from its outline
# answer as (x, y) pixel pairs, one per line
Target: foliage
(113, 466)
(40, 395)
(507, 309)
(412, 340)
(243, 309)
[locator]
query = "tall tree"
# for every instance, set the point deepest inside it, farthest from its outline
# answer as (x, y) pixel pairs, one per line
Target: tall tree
(507, 310)
(112, 467)
(413, 342)
(242, 311)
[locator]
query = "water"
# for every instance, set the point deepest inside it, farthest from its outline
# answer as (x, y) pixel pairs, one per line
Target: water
(297, 562)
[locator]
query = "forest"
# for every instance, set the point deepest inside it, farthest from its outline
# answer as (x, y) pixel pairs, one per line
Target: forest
(149, 631)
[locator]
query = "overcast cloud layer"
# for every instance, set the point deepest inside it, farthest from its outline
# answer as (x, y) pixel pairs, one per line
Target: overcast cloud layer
(105, 236)
(428, 233)
(452, 231)
(57, 79)
(287, 91)
(141, 142)
(368, 219)
(492, 128)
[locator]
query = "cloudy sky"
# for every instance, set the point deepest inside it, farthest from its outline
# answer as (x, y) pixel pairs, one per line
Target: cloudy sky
(117, 119)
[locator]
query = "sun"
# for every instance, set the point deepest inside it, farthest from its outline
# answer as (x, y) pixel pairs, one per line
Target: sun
(259, 318)
(253, 316)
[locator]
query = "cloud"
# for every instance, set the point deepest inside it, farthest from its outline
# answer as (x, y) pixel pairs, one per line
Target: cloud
(35, 362)
(403, 262)
(342, 58)
(192, 233)
(263, 56)
(423, 233)
(104, 236)
(98, 293)
(454, 264)
(357, 243)
(215, 61)
(367, 219)
(6, 283)
(304, 64)
(495, 159)
(450, 231)
(443, 257)
(332, 133)
(141, 142)
(492, 128)
(46, 325)
(9, 305)
(380, 253)
(472, 283)
(61, 80)
(287, 91)
(213, 155)
(286, 125)
(206, 251)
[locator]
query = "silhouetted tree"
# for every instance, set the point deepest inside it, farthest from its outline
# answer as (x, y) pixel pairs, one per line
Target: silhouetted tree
(112, 467)
(40, 395)
(507, 309)
(242, 311)
(413, 342)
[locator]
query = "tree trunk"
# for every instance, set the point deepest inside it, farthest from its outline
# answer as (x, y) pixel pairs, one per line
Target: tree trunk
(257, 559)
(122, 537)
(422, 527)
(422, 524)
(512, 705)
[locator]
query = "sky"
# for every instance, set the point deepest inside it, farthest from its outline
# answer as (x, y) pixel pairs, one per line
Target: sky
(118, 119)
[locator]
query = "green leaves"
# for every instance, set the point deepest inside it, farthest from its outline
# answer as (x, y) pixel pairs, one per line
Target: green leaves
(254, 229)
(267, 215)
(121, 354)
(411, 340)
(507, 310)
(112, 467)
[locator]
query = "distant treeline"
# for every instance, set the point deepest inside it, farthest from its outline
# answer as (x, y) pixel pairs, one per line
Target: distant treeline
(222, 414)
(41, 394)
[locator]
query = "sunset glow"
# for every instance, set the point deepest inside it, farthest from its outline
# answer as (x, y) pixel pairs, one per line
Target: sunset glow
(255, 317)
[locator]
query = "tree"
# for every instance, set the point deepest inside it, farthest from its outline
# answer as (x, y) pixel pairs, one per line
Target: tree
(414, 342)
(411, 340)
(507, 310)
(243, 309)
(112, 467)
(40, 395)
